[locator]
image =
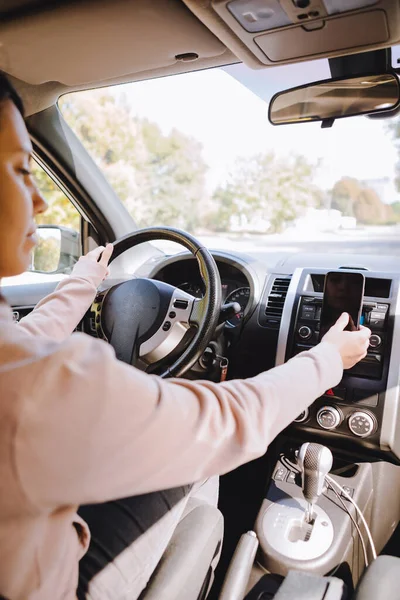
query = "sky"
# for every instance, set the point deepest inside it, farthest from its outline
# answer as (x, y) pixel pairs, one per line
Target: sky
(230, 121)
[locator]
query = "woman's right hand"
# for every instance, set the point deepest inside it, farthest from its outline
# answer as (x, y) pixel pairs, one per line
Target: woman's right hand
(352, 345)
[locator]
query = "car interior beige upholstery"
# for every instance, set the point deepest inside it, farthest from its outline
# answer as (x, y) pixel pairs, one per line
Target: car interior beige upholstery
(192, 27)
(375, 26)
(185, 566)
(107, 42)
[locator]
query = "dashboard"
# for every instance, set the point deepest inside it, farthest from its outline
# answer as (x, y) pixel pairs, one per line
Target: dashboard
(236, 282)
(279, 318)
(280, 298)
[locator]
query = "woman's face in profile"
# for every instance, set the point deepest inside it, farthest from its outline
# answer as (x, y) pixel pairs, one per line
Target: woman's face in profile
(20, 199)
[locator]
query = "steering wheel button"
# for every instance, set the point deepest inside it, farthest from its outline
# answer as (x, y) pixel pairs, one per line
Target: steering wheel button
(172, 314)
(179, 303)
(167, 326)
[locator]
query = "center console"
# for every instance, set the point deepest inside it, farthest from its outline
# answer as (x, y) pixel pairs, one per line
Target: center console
(360, 412)
(358, 420)
(329, 543)
(287, 543)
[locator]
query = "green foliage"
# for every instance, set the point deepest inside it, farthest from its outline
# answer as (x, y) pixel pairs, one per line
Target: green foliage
(369, 208)
(393, 127)
(344, 195)
(267, 189)
(354, 199)
(159, 177)
(60, 210)
(47, 255)
(396, 209)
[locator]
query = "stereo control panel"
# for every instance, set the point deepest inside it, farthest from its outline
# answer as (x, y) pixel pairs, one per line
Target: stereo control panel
(374, 316)
(349, 414)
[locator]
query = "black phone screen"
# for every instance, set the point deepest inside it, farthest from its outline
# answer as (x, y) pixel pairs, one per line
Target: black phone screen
(343, 292)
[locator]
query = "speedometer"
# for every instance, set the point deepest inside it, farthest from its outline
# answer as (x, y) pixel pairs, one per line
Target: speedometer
(242, 296)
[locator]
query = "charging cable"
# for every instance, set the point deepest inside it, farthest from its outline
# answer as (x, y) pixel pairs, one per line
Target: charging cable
(364, 522)
(354, 523)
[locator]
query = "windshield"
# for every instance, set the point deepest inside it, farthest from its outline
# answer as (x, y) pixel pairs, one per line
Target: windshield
(196, 151)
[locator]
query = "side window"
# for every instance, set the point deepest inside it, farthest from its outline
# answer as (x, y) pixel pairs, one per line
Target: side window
(59, 233)
(58, 230)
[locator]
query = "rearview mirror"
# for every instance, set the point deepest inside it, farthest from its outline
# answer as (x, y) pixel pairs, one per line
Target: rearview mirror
(336, 98)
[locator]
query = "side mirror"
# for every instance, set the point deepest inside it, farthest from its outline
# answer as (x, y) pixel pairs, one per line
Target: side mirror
(336, 98)
(57, 251)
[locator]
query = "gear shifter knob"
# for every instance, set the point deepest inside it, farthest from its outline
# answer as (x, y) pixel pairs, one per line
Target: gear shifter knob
(315, 462)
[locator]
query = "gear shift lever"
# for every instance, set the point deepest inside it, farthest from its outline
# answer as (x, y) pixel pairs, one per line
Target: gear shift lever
(315, 462)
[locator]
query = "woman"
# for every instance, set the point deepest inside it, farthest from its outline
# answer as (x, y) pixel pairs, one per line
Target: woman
(79, 427)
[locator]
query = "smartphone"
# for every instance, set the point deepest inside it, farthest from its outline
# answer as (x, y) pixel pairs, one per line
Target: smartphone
(343, 292)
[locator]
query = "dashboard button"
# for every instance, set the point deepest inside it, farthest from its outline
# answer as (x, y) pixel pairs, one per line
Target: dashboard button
(303, 416)
(362, 424)
(349, 490)
(305, 332)
(308, 311)
(336, 393)
(375, 341)
(377, 319)
(329, 417)
(382, 307)
(280, 474)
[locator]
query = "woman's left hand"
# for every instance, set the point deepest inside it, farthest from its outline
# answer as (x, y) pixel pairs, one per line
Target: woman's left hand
(101, 254)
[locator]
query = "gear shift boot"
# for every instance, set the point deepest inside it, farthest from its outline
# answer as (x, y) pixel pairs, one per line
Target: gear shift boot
(285, 531)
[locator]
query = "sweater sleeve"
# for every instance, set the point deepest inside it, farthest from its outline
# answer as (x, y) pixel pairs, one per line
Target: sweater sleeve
(95, 429)
(58, 314)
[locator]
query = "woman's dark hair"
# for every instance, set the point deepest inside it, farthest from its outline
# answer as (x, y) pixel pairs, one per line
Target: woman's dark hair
(7, 92)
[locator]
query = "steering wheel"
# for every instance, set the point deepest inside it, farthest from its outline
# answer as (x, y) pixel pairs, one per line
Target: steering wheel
(146, 320)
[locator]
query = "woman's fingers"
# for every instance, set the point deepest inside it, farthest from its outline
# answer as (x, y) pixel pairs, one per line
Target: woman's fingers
(106, 255)
(101, 254)
(94, 254)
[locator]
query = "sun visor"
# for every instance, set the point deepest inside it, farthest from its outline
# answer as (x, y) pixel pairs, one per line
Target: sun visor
(96, 41)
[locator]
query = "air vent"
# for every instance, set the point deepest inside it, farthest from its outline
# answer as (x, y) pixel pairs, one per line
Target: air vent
(276, 301)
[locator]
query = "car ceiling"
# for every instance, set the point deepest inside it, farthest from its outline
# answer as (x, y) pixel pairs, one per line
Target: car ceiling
(50, 48)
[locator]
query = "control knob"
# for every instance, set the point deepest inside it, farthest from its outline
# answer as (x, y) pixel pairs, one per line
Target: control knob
(303, 416)
(305, 332)
(375, 341)
(329, 417)
(361, 423)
